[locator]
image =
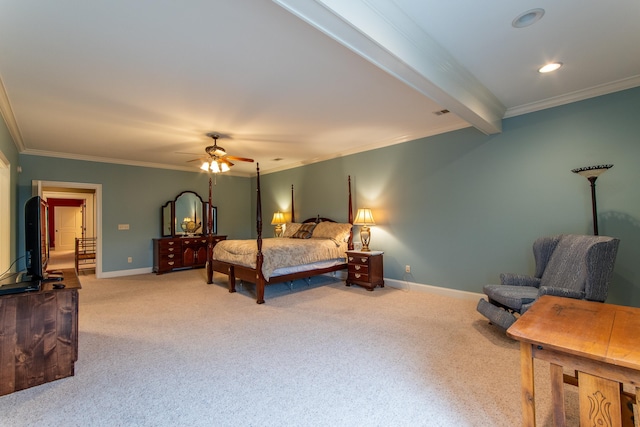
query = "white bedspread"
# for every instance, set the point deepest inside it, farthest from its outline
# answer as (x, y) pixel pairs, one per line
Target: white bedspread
(278, 252)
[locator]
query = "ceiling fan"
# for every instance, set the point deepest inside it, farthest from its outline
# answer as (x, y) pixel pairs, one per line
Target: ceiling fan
(218, 160)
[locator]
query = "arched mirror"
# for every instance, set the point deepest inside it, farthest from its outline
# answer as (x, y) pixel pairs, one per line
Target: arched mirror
(186, 215)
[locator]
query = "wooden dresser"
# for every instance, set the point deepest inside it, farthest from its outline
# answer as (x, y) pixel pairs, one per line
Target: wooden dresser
(39, 334)
(174, 253)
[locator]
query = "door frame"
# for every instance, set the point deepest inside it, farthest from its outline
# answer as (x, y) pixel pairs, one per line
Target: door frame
(39, 186)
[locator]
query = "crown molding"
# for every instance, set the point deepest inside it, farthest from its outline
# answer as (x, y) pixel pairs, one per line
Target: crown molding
(579, 95)
(70, 156)
(10, 118)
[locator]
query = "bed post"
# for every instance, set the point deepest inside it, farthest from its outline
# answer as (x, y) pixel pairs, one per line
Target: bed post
(293, 209)
(350, 245)
(260, 282)
(209, 265)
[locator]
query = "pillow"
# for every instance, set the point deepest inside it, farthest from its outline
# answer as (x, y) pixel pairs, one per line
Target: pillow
(305, 231)
(290, 228)
(336, 231)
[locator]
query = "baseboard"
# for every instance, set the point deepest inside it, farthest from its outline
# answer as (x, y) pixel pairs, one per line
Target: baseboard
(121, 273)
(392, 283)
(419, 287)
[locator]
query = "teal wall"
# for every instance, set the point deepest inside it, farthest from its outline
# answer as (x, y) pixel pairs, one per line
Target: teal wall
(10, 152)
(462, 207)
(134, 195)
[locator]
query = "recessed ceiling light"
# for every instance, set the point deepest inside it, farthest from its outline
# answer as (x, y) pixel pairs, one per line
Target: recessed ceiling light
(527, 18)
(550, 67)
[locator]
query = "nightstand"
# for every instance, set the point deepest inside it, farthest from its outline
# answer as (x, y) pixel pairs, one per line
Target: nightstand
(365, 269)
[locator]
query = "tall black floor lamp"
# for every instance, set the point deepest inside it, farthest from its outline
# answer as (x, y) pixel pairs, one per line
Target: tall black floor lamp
(592, 173)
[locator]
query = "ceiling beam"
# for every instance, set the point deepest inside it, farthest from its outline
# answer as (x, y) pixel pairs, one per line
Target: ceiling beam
(383, 34)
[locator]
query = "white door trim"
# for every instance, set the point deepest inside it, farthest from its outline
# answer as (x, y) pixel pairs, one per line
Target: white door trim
(38, 185)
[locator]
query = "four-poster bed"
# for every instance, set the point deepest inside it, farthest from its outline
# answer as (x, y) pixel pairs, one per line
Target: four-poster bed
(277, 260)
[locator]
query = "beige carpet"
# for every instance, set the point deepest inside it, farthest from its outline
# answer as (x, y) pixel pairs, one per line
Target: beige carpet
(61, 259)
(172, 351)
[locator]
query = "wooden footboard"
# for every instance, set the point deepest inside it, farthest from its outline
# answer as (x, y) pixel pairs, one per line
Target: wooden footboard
(252, 276)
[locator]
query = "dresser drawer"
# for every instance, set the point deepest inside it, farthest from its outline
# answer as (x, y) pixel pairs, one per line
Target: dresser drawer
(358, 277)
(166, 250)
(358, 268)
(169, 264)
(358, 260)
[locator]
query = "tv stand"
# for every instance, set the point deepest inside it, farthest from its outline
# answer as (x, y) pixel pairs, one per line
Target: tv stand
(39, 334)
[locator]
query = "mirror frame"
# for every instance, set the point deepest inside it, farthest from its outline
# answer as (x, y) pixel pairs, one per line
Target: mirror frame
(168, 225)
(166, 219)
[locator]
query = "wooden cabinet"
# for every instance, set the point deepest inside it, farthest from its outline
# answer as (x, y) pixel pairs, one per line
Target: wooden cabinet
(39, 334)
(365, 269)
(173, 253)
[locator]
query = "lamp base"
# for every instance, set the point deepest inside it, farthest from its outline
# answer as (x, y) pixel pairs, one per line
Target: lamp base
(365, 237)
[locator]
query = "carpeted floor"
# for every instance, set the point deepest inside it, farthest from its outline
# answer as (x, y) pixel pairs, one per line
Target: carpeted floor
(171, 350)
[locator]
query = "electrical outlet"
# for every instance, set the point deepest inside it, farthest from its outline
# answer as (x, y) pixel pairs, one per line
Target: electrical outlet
(130, 260)
(407, 269)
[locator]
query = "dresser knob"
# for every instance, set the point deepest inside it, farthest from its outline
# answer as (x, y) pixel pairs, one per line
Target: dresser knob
(172, 255)
(357, 275)
(350, 258)
(170, 243)
(357, 267)
(171, 263)
(363, 260)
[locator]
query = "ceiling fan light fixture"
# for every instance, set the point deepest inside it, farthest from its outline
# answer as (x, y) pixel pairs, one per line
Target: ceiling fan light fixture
(205, 166)
(215, 168)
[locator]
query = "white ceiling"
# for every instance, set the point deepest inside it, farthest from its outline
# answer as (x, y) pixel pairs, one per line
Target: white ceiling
(143, 82)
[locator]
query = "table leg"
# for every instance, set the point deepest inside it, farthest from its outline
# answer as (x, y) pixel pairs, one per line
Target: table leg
(557, 395)
(636, 408)
(527, 386)
(599, 400)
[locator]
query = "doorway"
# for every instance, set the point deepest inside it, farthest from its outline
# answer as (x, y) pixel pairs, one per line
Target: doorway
(84, 202)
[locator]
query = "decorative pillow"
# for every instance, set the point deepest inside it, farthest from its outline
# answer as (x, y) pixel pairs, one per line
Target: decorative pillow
(336, 231)
(290, 228)
(305, 231)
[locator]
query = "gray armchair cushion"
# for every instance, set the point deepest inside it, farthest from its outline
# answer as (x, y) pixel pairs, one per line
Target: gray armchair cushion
(519, 280)
(511, 296)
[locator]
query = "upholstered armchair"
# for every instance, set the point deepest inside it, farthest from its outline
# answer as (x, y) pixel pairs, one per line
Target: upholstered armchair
(568, 265)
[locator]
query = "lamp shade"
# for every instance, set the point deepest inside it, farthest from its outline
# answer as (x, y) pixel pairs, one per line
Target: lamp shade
(592, 171)
(278, 219)
(364, 217)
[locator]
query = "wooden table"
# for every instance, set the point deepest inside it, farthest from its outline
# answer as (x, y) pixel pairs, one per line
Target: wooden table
(39, 335)
(599, 341)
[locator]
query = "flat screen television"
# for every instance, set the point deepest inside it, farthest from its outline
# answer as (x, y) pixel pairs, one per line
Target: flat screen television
(36, 220)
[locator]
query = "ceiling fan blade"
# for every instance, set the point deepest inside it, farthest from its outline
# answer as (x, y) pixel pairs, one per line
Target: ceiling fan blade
(201, 159)
(239, 159)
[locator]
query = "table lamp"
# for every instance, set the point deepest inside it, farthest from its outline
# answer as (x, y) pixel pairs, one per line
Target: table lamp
(364, 217)
(278, 220)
